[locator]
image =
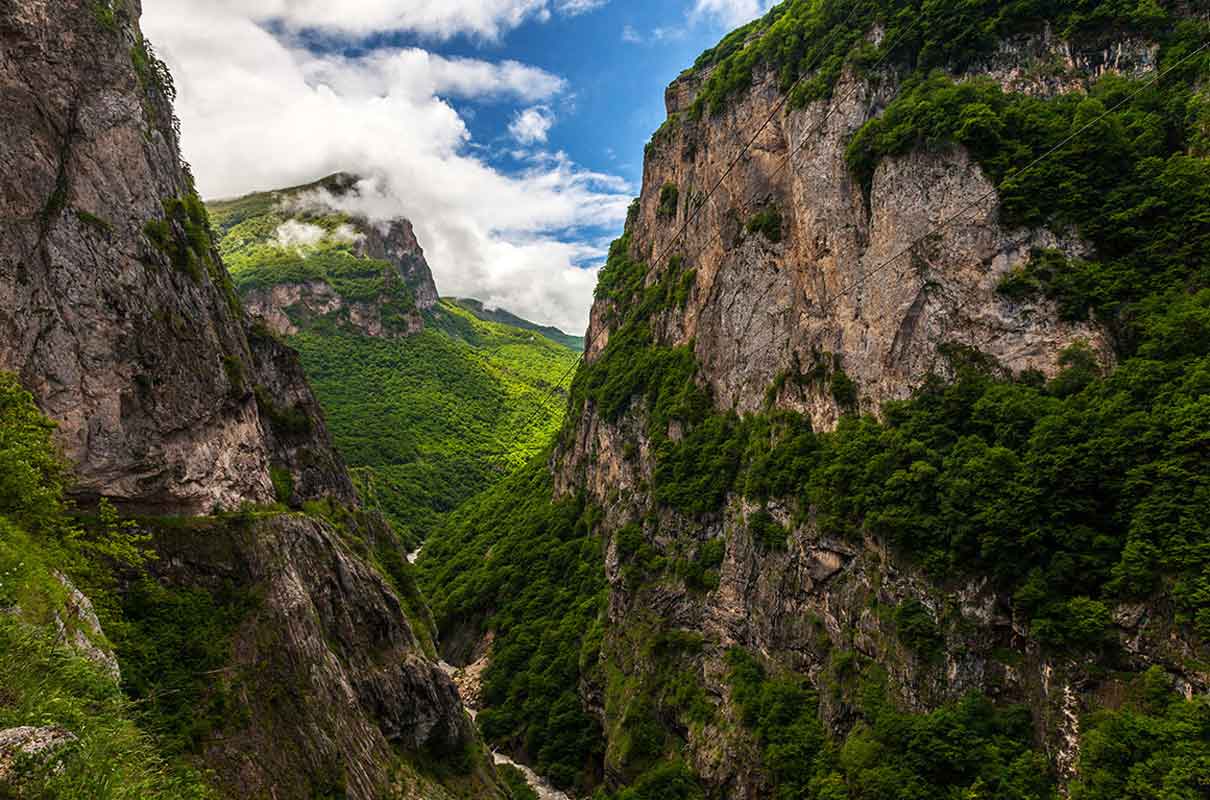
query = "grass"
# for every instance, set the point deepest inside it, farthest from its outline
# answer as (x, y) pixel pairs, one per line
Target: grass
(48, 685)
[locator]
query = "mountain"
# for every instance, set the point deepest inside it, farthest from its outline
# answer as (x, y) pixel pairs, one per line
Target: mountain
(477, 308)
(194, 602)
(431, 401)
(887, 478)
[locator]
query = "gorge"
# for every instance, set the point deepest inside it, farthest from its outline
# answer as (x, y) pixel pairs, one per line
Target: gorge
(880, 471)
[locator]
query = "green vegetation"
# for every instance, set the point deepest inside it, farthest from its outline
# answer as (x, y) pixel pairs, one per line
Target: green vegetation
(102, 226)
(45, 682)
(1128, 183)
(324, 248)
(173, 643)
(531, 569)
(1157, 746)
(433, 419)
(512, 320)
(185, 237)
(426, 420)
(814, 40)
(1074, 493)
(105, 14)
(968, 749)
(514, 781)
(669, 199)
(767, 223)
(916, 628)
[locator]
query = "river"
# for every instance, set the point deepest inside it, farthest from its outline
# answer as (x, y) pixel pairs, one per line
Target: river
(536, 782)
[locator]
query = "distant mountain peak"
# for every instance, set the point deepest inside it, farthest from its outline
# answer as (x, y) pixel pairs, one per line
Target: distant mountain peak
(298, 259)
(492, 314)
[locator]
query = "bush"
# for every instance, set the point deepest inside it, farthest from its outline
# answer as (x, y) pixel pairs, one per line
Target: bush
(669, 200)
(916, 628)
(767, 223)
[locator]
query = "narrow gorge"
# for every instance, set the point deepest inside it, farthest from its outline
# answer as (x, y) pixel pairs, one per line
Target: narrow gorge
(881, 470)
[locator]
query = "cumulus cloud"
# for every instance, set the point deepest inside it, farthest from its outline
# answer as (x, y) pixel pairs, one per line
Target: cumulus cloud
(532, 125)
(731, 12)
(295, 234)
(258, 113)
(421, 74)
(436, 18)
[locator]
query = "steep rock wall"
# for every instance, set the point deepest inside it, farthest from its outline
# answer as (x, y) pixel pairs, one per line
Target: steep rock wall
(123, 349)
(832, 289)
(329, 673)
(117, 313)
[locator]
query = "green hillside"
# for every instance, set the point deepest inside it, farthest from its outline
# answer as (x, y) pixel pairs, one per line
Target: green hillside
(424, 420)
(430, 420)
(477, 308)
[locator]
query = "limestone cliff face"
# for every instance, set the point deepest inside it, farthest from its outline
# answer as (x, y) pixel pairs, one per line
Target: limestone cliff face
(115, 309)
(759, 307)
(832, 289)
(847, 286)
(133, 356)
(330, 676)
(118, 314)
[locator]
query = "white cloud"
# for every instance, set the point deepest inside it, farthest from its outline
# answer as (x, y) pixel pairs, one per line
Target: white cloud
(661, 34)
(731, 13)
(532, 125)
(293, 233)
(259, 114)
(575, 7)
(438, 18)
(420, 74)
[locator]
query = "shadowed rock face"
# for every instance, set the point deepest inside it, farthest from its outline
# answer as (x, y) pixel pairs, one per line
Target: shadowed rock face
(131, 338)
(330, 675)
(117, 313)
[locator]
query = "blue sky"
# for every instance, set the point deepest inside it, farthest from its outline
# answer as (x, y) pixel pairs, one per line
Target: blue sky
(616, 84)
(510, 132)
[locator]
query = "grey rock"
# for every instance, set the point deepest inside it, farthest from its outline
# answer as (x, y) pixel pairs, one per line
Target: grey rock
(27, 747)
(82, 630)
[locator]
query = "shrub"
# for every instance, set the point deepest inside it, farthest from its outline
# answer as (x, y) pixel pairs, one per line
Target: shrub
(669, 200)
(767, 223)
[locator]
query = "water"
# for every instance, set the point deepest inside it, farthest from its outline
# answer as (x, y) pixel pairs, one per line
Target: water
(536, 782)
(545, 790)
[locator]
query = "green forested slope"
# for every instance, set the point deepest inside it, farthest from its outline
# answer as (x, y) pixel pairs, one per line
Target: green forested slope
(1072, 495)
(424, 420)
(506, 318)
(428, 421)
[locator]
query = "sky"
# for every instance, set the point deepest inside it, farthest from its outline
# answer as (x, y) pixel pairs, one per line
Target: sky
(510, 132)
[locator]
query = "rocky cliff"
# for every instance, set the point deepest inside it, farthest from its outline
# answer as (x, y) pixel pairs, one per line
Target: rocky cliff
(773, 285)
(118, 314)
(300, 259)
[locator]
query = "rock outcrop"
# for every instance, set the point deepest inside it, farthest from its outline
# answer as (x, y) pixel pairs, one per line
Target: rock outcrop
(113, 310)
(283, 224)
(118, 314)
(846, 279)
(28, 749)
(329, 673)
(851, 280)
